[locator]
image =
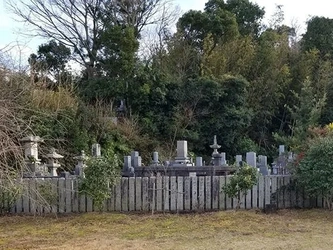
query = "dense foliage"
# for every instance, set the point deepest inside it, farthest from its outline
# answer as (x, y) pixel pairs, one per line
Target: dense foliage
(221, 72)
(315, 171)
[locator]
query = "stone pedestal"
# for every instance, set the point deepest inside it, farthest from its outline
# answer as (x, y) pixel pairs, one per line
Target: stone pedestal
(81, 164)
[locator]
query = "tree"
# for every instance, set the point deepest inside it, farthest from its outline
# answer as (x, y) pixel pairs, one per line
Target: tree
(80, 24)
(248, 16)
(196, 25)
(51, 58)
(319, 36)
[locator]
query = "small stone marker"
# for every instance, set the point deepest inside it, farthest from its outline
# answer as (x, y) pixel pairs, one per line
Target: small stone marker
(182, 149)
(96, 150)
(155, 157)
(251, 159)
(198, 161)
(127, 163)
(239, 160)
(281, 149)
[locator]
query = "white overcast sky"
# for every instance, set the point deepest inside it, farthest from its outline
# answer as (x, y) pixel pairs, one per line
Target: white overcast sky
(299, 10)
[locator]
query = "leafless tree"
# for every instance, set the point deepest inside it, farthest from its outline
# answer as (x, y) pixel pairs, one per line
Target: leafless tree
(78, 23)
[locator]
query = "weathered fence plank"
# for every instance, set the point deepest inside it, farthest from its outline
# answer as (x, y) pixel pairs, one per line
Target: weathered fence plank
(166, 193)
(267, 190)
(118, 196)
(187, 193)
(131, 194)
(75, 196)
(138, 194)
(208, 193)
(201, 205)
(194, 181)
(159, 193)
(228, 200)
(68, 195)
(248, 200)
(288, 191)
(261, 189)
(145, 202)
(173, 187)
(62, 197)
(215, 192)
(124, 194)
(255, 196)
(152, 193)
(222, 195)
(180, 196)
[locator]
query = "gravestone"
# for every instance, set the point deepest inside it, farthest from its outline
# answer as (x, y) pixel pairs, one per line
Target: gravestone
(239, 160)
(155, 157)
(80, 166)
(96, 150)
(251, 159)
(198, 161)
(263, 168)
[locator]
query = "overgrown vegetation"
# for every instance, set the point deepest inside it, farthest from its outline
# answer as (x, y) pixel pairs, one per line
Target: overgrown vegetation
(222, 72)
(315, 171)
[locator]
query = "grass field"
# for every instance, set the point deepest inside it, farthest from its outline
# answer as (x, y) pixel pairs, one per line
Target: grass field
(295, 229)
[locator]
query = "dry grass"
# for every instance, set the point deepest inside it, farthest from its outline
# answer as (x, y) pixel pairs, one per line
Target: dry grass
(310, 229)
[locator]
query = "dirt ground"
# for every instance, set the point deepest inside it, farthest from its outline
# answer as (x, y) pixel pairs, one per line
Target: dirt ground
(288, 229)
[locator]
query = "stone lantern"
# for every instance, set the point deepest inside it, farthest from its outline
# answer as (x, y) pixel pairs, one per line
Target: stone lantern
(81, 163)
(218, 159)
(53, 162)
(30, 145)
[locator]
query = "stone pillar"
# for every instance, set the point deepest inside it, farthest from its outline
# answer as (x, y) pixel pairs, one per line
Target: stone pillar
(137, 161)
(223, 159)
(127, 163)
(281, 149)
(239, 160)
(251, 159)
(81, 164)
(182, 149)
(155, 157)
(96, 150)
(198, 161)
(133, 155)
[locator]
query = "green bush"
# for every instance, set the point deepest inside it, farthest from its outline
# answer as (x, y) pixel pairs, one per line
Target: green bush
(100, 176)
(314, 171)
(243, 180)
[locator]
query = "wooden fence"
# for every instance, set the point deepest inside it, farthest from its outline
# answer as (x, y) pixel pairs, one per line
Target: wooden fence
(161, 194)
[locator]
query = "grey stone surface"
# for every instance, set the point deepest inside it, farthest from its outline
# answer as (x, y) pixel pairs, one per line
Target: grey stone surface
(96, 150)
(198, 161)
(251, 159)
(239, 159)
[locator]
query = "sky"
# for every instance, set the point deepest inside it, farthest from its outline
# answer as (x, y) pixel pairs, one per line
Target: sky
(295, 10)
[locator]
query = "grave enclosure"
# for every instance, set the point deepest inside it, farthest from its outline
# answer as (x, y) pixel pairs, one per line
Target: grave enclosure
(184, 184)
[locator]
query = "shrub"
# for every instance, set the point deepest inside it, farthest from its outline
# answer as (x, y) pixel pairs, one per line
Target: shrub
(243, 180)
(100, 176)
(315, 170)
